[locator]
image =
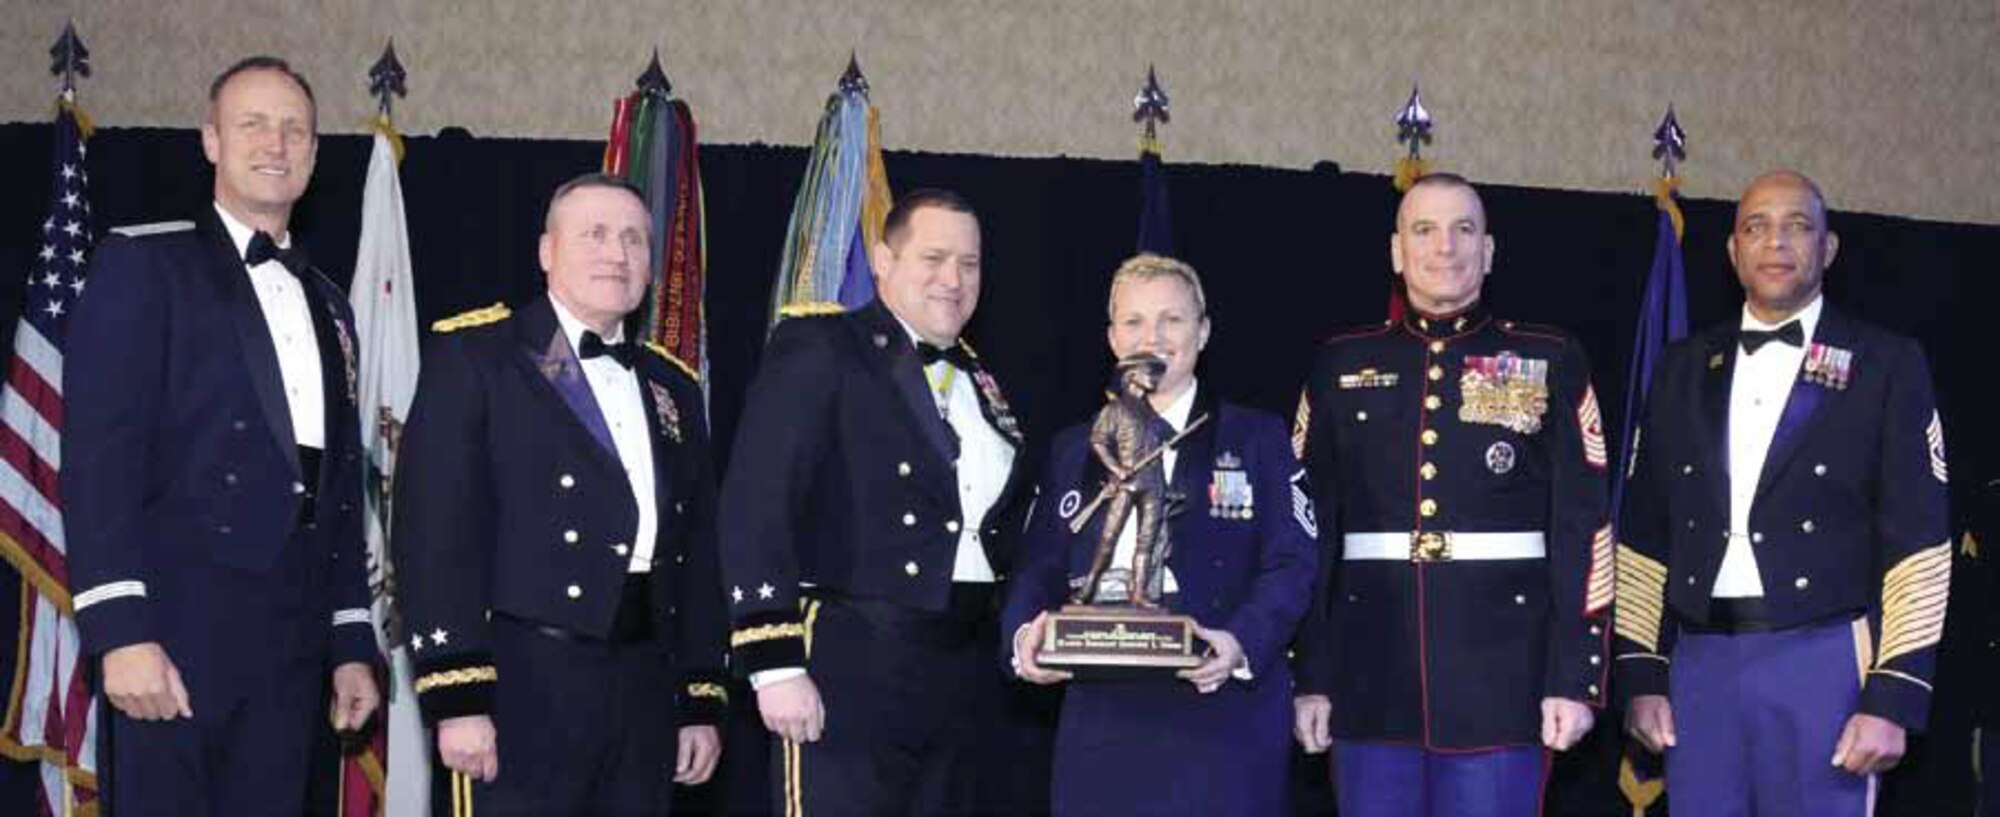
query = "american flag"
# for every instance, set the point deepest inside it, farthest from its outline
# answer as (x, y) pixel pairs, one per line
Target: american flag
(52, 719)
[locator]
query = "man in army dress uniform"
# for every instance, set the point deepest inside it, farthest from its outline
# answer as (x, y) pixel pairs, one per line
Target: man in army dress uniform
(1458, 465)
(863, 509)
(1784, 559)
(555, 529)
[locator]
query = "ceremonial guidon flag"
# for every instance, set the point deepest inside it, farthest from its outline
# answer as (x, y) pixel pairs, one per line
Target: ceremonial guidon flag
(1663, 309)
(50, 717)
(383, 295)
(652, 146)
(838, 215)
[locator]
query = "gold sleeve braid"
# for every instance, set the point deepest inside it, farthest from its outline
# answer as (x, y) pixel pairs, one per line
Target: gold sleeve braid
(1642, 597)
(766, 632)
(1914, 595)
(708, 690)
(457, 677)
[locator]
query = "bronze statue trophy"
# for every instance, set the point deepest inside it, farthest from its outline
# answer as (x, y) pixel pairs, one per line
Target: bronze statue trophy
(1114, 625)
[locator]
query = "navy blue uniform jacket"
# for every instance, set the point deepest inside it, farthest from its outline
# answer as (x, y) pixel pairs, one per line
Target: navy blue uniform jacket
(1849, 516)
(844, 478)
(506, 504)
(1399, 439)
(179, 454)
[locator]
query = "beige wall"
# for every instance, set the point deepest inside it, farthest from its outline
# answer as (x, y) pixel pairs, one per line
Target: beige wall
(1893, 104)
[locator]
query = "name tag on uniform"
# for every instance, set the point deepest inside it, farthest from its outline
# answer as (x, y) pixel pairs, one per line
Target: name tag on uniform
(1505, 390)
(1229, 495)
(1368, 379)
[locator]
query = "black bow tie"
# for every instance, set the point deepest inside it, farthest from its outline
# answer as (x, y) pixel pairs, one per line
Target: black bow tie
(953, 354)
(625, 354)
(262, 248)
(1754, 339)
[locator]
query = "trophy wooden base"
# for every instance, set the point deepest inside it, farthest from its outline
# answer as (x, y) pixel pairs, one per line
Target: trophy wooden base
(1105, 642)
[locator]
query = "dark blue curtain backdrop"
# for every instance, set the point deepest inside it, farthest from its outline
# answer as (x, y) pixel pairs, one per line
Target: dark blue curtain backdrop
(1288, 256)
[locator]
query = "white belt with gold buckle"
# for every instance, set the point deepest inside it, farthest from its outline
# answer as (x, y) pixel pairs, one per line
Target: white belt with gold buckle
(1444, 546)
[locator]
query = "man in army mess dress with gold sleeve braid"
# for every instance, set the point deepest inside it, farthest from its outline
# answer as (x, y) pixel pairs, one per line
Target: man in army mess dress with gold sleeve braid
(874, 472)
(1458, 467)
(1785, 557)
(555, 532)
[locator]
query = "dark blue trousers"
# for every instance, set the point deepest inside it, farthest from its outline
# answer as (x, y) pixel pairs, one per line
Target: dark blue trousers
(910, 695)
(1395, 780)
(1756, 720)
(583, 726)
(252, 651)
(1158, 747)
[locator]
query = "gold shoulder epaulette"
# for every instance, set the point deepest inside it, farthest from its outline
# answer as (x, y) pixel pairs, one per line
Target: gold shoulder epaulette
(477, 317)
(677, 362)
(804, 308)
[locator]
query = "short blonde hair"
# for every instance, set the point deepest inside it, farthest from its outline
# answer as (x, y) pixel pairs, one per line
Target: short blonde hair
(1146, 267)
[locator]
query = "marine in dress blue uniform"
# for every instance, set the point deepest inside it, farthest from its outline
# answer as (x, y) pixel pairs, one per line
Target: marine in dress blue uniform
(540, 595)
(1458, 465)
(211, 476)
(1774, 615)
(864, 508)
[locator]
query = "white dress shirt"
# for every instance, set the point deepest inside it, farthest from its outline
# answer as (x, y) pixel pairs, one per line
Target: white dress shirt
(1176, 415)
(984, 460)
(616, 390)
(1757, 393)
(282, 299)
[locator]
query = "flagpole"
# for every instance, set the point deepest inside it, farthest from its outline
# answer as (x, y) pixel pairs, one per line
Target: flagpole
(72, 58)
(385, 322)
(67, 99)
(1150, 108)
(1662, 320)
(1413, 131)
(48, 705)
